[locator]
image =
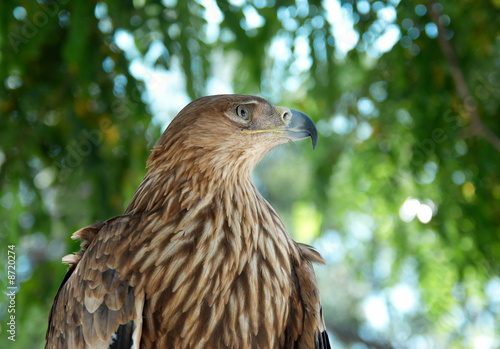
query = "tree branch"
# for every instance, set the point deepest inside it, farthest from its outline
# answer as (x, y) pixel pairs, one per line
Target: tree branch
(477, 127)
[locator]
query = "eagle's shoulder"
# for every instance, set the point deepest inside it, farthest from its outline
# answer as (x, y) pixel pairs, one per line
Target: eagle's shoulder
(86, 235)
(309, 253)
(98, 301)
(307, 329)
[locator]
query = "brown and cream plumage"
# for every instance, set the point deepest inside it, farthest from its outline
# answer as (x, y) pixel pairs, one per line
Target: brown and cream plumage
(199, 259)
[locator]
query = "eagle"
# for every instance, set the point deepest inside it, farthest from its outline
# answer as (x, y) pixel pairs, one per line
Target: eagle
(199, 259)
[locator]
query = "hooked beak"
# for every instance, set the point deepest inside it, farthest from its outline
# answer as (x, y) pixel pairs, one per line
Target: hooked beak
(301, 127)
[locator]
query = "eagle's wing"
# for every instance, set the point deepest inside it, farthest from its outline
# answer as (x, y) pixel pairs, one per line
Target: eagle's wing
(97, 305)
(307, 328)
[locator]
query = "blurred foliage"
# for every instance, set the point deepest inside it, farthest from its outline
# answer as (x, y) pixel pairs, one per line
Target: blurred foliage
(77, 123)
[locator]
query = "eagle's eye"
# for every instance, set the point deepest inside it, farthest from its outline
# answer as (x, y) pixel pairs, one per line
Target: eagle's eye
(242, 112)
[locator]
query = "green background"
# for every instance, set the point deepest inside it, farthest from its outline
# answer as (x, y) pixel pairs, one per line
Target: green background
(410, 128)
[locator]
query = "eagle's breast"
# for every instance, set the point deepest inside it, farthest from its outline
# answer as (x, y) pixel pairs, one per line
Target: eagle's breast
(219, 272)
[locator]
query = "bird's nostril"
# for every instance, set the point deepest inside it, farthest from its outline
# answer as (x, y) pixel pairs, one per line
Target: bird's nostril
(286, 117)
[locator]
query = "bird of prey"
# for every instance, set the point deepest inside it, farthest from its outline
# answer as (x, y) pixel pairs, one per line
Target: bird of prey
(199, 259)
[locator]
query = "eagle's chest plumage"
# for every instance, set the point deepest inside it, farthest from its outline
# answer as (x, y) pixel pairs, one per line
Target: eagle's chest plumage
(216, 280)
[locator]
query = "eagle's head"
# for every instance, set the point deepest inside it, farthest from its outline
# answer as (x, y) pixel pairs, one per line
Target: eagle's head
(233, 130)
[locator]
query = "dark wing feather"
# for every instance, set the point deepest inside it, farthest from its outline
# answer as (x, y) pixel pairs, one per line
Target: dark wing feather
(325, 341)
(122, 339)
